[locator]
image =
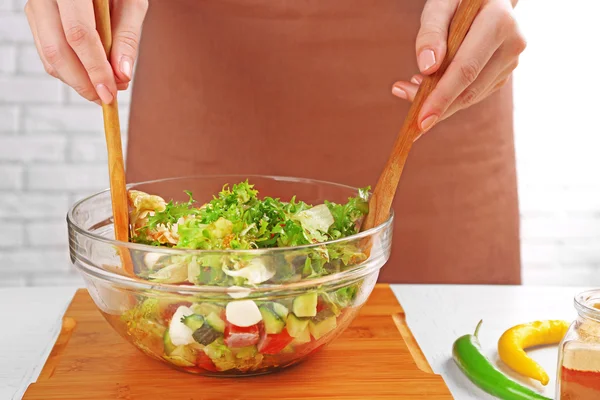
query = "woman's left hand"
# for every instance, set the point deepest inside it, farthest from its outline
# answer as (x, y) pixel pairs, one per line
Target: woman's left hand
(483, 63)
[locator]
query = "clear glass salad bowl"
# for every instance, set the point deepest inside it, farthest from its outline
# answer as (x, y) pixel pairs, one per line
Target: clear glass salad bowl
(206, 327)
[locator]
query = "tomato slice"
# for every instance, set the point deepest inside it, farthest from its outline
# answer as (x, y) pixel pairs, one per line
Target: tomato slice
(237, 336)
(203, 361)
(274, 343)
(321, 304)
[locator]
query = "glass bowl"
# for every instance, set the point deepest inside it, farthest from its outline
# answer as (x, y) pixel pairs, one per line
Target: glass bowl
(187, 326)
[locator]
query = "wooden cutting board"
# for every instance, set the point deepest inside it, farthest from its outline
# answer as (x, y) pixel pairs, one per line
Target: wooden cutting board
(375, 358)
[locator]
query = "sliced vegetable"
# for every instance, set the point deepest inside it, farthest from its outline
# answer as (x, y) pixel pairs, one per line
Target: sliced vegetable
(243, 313)
(327, 301)
(296, 326)
(203, 361)
(193, 321)
(273, 343)
(513, 342)
(215, 322)
(279, 309)
(220, 355)
(322, 324)
(205, 335)
(273, 322)
(169, 346)
(237, 336)
(302, 337)
(467, 354)
(305, 305)
(179, 332)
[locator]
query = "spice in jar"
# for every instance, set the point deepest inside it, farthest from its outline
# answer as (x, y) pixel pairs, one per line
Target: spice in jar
(579, 361)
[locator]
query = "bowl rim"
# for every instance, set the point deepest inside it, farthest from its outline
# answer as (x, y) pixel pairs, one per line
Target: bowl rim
(116, 277)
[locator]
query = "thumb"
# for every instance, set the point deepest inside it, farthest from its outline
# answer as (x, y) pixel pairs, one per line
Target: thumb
(128, 17)
(433, 35)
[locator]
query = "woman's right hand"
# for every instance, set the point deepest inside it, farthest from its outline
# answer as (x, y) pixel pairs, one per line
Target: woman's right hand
(70, 48)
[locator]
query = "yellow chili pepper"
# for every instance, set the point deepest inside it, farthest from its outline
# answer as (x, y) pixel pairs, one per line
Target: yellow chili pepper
(513, 342)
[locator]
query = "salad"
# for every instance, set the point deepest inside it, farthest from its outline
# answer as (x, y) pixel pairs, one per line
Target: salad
(241, 333)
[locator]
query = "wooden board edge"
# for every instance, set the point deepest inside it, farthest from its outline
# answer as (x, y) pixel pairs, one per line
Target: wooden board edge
(66, 330)
(407, 335)
(411, 343)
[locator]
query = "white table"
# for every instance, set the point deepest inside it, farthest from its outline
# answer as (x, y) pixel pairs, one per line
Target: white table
(437, 315)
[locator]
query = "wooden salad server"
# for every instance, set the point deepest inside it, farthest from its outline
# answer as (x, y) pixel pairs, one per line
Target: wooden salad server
(381, 200)
(112, 130)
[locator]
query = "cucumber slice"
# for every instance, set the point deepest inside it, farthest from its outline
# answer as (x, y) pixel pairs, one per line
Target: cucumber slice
(296, 326)
(305, 305)
(273, 322)
(205, 335)
(215, 322)
(322, 324)
(280, 310)
(169, 346)
(193, 321)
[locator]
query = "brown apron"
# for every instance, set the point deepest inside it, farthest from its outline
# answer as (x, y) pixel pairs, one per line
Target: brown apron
(303, 88)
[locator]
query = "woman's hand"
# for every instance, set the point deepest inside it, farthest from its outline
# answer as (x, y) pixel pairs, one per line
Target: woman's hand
(483, 63)
(65, 35)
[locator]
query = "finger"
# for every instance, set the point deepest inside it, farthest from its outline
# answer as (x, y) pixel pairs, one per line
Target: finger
(128, 17)
(31, 20)
(433, 34)
(488, 88)
(405, 90)
(417, 79)
(476, 50)
(79, 27)
(122, 85)
(57, 52)
(502, 64)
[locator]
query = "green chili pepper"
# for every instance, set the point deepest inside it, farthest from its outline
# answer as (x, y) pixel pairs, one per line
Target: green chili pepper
(467, 354)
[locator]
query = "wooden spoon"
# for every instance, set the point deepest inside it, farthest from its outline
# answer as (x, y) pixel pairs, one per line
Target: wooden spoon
(380, 203)
(112, 130)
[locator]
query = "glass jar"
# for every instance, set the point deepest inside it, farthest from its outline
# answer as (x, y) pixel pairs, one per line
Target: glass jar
(579, 352)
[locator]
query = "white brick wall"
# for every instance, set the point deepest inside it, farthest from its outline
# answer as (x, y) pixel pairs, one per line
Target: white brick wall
(52, 150)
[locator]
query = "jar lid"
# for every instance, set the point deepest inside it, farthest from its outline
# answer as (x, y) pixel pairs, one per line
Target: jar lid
(587, 304)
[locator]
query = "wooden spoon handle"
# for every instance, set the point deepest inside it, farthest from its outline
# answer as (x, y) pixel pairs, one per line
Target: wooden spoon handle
(380, 203)
(112, 130)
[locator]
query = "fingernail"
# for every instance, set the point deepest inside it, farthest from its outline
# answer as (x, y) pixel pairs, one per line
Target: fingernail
(105, 94)
(415, 80)
(426, 59)
(428, 122)
(126, 66)
(396, 91)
